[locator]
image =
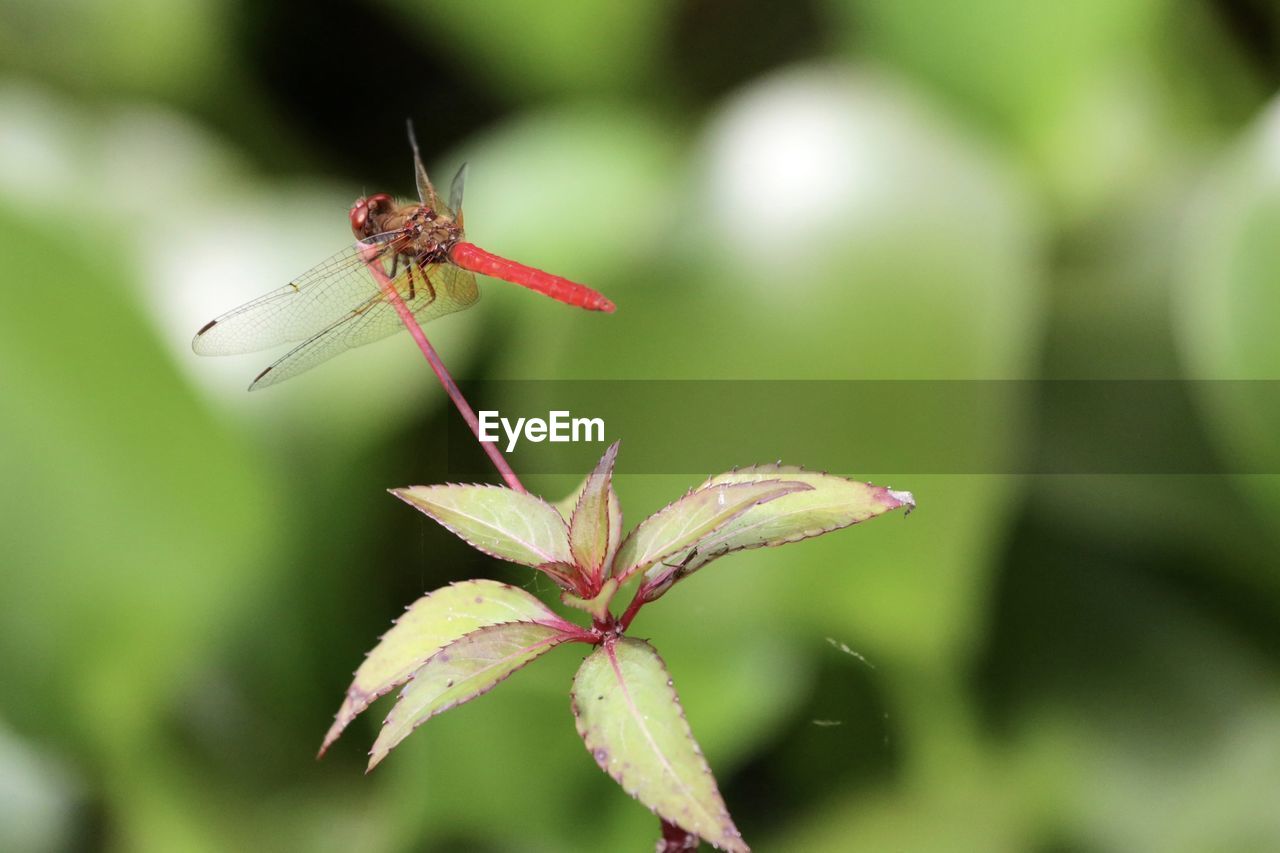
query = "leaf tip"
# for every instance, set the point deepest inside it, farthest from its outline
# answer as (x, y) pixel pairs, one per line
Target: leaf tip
(330, 737)
(376, 754)
(901, 498)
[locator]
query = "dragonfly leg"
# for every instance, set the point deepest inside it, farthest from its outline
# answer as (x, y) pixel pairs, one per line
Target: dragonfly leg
(426, 282)
(396, 260)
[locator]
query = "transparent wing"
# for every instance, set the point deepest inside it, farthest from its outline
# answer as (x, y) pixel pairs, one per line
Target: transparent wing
(431, 292)
(456, 189)
(317, 299)
(426, 192)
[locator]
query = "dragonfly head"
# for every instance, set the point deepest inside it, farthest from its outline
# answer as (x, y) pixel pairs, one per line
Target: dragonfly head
(366, 212)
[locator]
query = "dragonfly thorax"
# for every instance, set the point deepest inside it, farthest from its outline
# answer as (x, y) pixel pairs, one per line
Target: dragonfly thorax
(421, 231)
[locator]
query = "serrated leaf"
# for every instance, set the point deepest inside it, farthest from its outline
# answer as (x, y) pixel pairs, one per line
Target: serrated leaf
(682, 524)
(830, 504)
(589, 526)
(501, 522)
(570, 503)
(630, 719)
(428, 625)
(564, 574)
(597, 605)
(615, 528)
(466, 668)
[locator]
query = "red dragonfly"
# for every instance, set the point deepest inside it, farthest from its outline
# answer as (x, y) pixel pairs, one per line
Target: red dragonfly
(337, 304)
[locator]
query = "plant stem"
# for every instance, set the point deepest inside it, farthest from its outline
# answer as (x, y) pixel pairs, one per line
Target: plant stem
(637, 601)
(442, 373)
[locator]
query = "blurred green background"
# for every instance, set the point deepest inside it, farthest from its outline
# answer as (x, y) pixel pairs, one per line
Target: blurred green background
(827, 189)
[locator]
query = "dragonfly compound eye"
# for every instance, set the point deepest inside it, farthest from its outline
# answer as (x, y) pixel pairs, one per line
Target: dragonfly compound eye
(364, 208)
(359, 216)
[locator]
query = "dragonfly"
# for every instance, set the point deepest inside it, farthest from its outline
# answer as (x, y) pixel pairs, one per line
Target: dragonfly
(338, 304)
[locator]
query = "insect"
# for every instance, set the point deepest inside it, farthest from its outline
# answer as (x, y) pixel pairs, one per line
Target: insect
(338, 305)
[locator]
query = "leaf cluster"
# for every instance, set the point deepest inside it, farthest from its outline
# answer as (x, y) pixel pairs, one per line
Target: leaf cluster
(459, 642)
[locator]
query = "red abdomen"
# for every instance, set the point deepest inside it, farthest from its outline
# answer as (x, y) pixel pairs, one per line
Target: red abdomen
(472, 257)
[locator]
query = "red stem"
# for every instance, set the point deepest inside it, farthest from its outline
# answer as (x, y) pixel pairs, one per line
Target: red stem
(637, 601)
(442, 373)
(471, 257)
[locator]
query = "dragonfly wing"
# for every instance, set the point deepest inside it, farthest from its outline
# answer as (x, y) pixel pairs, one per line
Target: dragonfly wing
(426, 192)
(431, 292)
(455, 192)
(309, 304)
(322, 346)
(455, 289)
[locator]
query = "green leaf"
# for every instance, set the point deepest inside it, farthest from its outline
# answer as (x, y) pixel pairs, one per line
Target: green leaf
(466, 668)
(597, 606)
(682, 524)
(428, 625)
(501, 522)
(629, 716)
(829, 504)
(589, 526)
(564, 574)
(567, 506)
(615, 527)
